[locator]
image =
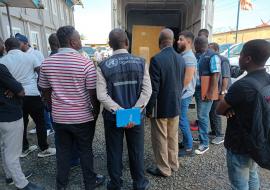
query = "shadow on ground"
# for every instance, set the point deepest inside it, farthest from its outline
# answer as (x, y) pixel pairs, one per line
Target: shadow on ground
(206, 172)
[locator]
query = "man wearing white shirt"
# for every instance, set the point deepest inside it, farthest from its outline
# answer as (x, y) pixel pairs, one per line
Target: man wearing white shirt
(24, 68)
(36, 54)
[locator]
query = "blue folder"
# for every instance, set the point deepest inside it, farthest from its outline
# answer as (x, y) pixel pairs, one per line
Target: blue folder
(126, 116)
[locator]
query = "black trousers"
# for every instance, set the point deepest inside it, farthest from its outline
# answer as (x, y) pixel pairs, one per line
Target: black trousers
(82, 135)
(215, 120)
(114, 144)
(33, 106)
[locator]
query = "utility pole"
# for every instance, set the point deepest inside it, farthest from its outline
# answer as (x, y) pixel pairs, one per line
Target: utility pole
(9, 21)
(237, 24)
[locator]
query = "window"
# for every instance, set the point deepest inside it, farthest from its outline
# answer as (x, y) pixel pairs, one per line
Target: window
(35, 40)
(67, 16)
(236, 50)
(54, 7)
(45, 3)
(15, 30)
(48, 44)
(62, 11)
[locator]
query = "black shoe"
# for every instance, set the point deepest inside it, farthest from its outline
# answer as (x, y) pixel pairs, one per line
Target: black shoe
(9, 181)
(32, 186)
(181, 145)
(110, 186)
(100, 179)
(155, 172)
(147, 186)
(60, 188)
(212, 134)
(184, 152)
(196, 140)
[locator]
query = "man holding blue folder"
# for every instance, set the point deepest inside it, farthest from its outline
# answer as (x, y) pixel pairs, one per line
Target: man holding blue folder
(124, 89)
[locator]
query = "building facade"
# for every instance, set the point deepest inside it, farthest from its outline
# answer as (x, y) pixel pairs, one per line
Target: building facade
(37, 24)
(245, 35)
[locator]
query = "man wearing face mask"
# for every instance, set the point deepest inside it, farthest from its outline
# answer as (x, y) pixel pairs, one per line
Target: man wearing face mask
(68, 80)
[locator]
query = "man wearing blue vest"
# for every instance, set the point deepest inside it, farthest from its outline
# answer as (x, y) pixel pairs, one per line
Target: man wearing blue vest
(209, 65)
(123, 82)
(223, 85)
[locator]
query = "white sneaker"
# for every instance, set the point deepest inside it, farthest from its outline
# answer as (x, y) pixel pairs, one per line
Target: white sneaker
(32, 131)
(49, 132)
(28, 151)
(201, 150)
(217, 140)
(47, 152)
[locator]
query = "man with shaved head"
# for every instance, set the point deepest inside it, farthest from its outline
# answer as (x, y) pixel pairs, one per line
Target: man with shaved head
(123, 82)
(167, 77)
(209, 66)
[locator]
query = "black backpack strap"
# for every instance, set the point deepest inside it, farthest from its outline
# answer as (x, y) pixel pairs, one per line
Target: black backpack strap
(256, 84)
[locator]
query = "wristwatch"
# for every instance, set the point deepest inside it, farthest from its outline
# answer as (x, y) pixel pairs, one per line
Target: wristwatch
(223, 92)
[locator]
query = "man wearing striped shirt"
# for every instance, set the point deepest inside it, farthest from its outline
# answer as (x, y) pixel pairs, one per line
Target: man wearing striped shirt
(69, 81)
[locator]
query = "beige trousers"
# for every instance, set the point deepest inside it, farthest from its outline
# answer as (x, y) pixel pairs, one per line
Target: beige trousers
(11, 135)
(165, 144)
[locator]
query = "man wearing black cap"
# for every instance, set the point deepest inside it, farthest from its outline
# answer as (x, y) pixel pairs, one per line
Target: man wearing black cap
(25, 47)
(36, 54)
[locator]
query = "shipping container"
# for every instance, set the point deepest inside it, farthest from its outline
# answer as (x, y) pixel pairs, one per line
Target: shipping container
(145, 17)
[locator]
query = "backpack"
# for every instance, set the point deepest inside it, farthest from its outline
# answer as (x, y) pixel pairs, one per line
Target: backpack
(258, 139)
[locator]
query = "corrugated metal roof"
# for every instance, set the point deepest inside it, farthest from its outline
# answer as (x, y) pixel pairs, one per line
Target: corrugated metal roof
(34, 4)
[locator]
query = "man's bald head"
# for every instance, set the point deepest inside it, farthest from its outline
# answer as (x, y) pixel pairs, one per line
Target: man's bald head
(118, 39)
(166, 38)
(201, 44)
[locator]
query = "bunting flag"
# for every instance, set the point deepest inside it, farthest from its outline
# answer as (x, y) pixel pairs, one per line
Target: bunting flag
(246, 5)
(71, 3)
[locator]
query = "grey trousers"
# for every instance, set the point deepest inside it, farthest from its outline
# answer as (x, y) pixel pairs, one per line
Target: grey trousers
(11, 135)
(215, 120)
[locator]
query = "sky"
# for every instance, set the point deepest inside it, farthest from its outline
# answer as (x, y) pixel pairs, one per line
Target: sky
(225, 15)
(94, 20)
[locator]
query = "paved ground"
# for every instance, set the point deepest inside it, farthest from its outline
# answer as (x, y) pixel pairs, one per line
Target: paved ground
(207, 172)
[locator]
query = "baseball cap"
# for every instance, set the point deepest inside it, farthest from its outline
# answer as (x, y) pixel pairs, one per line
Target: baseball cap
(21, 38)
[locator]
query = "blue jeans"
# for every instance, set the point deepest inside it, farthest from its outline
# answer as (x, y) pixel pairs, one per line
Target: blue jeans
(203, 110)
(48, 119)
(184, 123)
(215, 120)
(243, 172)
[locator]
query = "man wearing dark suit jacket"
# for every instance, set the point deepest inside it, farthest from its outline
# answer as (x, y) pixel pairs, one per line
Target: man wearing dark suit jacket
(167, 73)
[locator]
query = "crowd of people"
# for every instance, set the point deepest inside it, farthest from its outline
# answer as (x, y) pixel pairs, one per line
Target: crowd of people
(65, 91)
